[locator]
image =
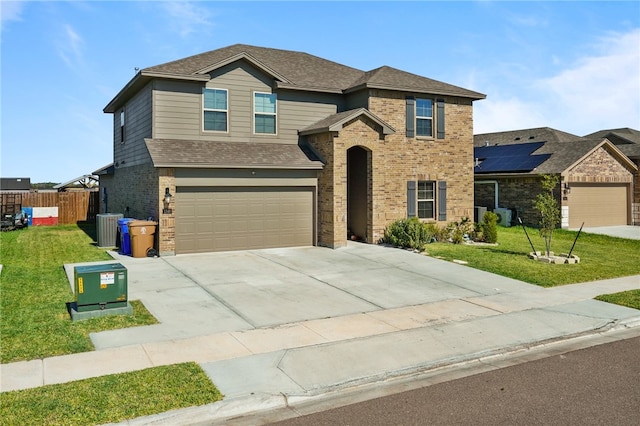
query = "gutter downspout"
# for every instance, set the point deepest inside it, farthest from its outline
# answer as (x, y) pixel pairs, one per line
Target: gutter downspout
(495, 183)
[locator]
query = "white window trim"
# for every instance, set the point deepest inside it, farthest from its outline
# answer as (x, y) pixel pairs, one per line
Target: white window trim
(420, 117)
(215, 110)
(253, 124)
(123, 129)
(418, 200)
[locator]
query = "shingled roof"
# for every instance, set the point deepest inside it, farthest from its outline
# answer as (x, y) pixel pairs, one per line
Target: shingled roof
(544, 134)
(212, 154)
(564, 149)
(291, 70)
(627, 140)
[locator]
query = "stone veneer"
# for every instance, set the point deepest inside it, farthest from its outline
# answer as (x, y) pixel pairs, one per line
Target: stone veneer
(393, 160)
(166, 235)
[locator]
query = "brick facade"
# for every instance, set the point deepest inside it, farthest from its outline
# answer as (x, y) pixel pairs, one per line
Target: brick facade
(599, 167)
(132, 192)
(392, 160)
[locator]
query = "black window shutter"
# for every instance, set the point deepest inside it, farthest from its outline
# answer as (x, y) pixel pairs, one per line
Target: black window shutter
(411, 198)
(442, 200)
(411, 117)
(440, 122)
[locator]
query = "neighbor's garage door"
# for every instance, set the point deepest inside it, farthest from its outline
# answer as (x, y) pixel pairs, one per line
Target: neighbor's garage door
(597, 205)
(220, 219)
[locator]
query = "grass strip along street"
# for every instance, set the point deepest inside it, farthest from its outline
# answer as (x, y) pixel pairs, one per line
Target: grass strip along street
(109, 399)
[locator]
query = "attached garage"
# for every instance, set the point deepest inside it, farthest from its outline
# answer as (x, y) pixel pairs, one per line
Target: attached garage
(241, 218)
(598, 204)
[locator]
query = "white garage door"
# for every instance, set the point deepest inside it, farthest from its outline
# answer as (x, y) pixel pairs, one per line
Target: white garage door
(597, 205)
(221, 219)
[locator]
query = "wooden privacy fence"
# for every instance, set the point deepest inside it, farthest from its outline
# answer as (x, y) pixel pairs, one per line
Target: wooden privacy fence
(73, 207)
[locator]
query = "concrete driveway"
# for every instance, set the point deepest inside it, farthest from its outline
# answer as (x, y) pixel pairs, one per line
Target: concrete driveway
(194, 295)
(622, 231)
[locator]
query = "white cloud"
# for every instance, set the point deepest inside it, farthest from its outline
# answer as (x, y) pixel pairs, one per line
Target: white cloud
(495, 115)
(602, 90)
(11, 11)
(598, 91)
(70, 47)
(187, 18)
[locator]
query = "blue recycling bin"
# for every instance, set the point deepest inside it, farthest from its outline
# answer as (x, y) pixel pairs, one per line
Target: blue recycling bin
(125, 239)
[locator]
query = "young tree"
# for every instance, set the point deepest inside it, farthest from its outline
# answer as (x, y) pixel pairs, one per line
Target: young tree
(547, 205)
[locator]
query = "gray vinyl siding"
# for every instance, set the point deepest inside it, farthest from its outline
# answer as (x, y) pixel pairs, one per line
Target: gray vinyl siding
(137, 127)
(178, 107)
(358, 99)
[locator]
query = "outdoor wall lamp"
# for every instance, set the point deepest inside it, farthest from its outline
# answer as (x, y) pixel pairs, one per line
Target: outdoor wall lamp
(167, 201)
(567, 188)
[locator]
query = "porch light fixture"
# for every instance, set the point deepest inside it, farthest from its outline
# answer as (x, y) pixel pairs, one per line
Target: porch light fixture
(167, 201)
(567, 189)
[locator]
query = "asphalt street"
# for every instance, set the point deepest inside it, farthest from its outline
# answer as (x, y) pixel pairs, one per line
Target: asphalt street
(594, 386)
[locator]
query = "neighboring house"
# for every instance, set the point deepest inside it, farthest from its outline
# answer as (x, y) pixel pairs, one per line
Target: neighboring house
(261, 147)
(628, 141)
(596, 177)
(15, 184)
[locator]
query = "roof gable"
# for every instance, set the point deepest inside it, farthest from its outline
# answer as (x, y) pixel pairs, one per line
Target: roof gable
(335, 122)
(290, 70)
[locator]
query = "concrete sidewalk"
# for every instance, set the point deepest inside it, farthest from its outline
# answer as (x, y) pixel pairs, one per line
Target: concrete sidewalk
(275, 328)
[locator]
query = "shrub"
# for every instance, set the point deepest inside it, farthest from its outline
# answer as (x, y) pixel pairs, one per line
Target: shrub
(459, 230)
(489, 227)
(410, 233)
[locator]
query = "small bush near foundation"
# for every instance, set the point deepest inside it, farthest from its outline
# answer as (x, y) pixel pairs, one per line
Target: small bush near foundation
(460, 230)
(410, 233)
(489, 227)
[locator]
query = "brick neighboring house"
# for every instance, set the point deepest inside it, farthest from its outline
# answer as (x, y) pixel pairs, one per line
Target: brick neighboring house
(262, 147)
(628, 141)
(596, 176)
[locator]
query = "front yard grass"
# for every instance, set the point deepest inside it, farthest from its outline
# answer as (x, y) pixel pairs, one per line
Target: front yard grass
(630, 299)
(601, 257)
(34, 291)
(110, 399)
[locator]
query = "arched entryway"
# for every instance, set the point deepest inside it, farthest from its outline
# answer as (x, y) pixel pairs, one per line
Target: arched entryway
(358, 199)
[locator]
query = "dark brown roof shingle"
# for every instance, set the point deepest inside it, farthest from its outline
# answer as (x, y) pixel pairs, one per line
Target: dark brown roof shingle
(211, 154)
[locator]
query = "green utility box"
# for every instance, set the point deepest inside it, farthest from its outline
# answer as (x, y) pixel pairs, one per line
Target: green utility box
(100, 287)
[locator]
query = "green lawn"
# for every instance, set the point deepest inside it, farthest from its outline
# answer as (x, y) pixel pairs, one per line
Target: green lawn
(601, 256)
(34, 291)
(109, 399)
(630, 299)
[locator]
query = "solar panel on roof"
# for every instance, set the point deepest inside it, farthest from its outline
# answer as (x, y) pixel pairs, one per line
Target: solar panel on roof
(509, 158)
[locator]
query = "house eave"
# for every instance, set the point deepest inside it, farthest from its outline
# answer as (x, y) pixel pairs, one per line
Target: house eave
(318, 166)
(140, 80)
(469, 95)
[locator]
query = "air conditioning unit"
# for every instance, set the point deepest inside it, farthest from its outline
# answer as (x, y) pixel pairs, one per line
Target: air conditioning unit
(504, 216)
(478, 213)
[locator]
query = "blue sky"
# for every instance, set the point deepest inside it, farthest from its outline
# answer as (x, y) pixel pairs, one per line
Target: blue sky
(572, 66)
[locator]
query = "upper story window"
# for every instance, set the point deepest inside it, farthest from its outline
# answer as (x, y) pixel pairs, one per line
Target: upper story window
(264, 109)
(424, 117)
(215, 110)
(122, 126)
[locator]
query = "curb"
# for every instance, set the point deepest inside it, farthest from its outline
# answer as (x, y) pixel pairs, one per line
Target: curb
(260, 408)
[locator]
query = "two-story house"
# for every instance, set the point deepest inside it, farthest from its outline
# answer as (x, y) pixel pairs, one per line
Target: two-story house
(260, 147)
